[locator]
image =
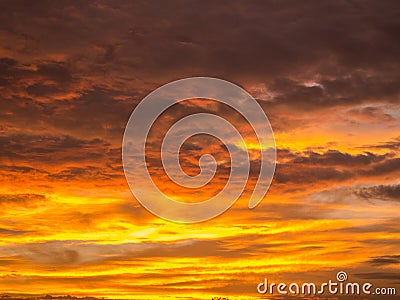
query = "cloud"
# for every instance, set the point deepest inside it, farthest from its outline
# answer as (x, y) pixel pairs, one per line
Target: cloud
(337, 158)
(351, 55)
(380, 275)
(88, 173)
(371, 114)
(392, 145)
(327, 74)
(55, 150)
(386, 167)
(385, 260)
(21, 200)
(347, 90)
(288, 174)
(95, 113)
(10, 232)
(380, 192)
(332, 165)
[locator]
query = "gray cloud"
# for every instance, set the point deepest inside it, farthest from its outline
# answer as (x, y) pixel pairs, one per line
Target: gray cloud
(385, 260)
(23, 200)
(333, 165)
(335, 157)
(29, 150)
(352, 53)
(11, 232)
(391, 145)
(380, 192)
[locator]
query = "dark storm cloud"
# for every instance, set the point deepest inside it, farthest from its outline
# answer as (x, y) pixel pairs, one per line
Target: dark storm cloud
(332, 165)
(381, 192)
(40, 90)
(386, 167)
(385, 260)
(97, 113)
(5, 65)
(350, 48)
(38, 78)
(41, 158)
(289, 174)
(49, 148)
(45, 143)
(347, 90)
(54, 71)
(334, 157)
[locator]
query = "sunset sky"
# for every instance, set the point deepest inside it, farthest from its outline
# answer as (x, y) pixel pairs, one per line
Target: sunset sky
(326, 73)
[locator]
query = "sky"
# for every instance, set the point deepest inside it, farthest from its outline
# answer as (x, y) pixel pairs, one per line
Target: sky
(327, 75)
